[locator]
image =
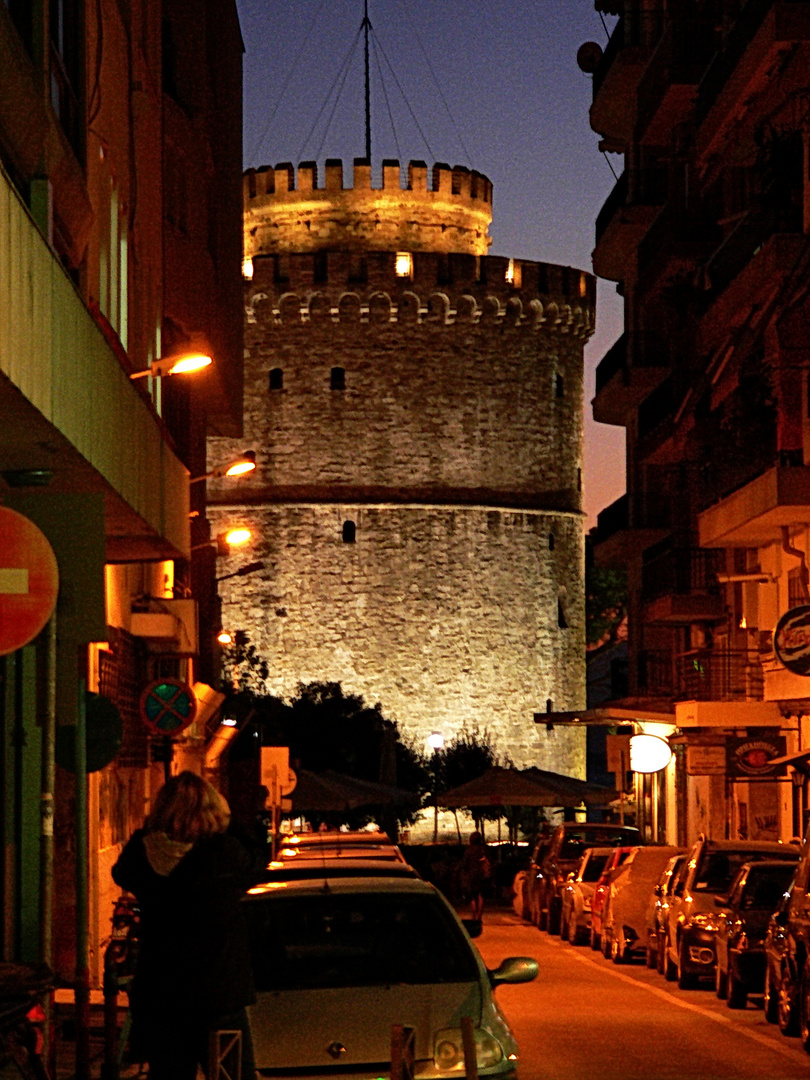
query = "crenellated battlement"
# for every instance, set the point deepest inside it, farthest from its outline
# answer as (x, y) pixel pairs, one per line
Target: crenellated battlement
(486, 291)
(446, 210)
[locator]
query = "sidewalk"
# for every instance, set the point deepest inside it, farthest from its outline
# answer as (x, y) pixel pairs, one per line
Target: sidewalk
(64, 1033)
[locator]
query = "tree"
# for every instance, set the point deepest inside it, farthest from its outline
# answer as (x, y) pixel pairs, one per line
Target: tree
(605, 601)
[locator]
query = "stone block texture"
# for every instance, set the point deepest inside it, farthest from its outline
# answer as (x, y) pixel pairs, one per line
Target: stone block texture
(417, 501)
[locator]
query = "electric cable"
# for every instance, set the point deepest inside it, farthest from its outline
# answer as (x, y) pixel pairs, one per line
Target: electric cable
(404, 96)
(385, 96)
(343, 69)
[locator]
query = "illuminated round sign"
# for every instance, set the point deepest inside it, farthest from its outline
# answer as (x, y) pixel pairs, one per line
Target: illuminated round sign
(791, 640)
(649, 753)
(168, 706)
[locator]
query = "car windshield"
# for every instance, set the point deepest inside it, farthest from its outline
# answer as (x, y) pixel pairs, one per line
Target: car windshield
(765, 888)
(373, 939)
(719, 868)
(594, 867)
(577, 840)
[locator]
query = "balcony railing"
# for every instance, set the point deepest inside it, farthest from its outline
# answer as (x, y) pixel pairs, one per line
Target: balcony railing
(681, 572)
(614, 361)
(635, 28)
(701, 675)
(742, 33)
(719, 675)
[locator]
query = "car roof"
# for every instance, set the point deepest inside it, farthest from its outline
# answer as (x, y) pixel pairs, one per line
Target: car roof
(353, 851)
(348, 886)
(356, 836)
(751, 845)
(299, 869)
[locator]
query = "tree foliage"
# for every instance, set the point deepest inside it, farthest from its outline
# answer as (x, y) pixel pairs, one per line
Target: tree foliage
(605, 602)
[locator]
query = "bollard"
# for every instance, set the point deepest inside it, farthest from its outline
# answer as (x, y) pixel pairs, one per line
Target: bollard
(402, 1039)
(225, 1055)
(470, 1055)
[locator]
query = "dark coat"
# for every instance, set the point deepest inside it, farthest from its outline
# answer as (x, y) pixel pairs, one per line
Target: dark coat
(194, 951)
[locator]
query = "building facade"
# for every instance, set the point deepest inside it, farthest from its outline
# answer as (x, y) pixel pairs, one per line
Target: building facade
(416, 409)
(705, 234)
(109, 260)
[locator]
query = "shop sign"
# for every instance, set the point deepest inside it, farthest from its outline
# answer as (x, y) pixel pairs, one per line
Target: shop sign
(706, 760)
(750, 758)
(791, 640)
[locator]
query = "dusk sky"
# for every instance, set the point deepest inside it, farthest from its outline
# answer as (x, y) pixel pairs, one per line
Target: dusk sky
(492, 85)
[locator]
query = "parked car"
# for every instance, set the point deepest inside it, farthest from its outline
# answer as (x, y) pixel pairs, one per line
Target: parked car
(343, 865)
(658, 912)
(788, 941)
(778, 1000)
(630, 890)
(568, 841)
(615, 860)
(693, 916)
(336, 969)
(740, 947)
(578, 893)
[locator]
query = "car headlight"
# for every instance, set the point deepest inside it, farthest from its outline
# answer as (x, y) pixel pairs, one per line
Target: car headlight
(706, 921)
(448, 1050)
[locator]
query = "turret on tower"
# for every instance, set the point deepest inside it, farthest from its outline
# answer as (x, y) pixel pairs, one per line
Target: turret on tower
(448, 211)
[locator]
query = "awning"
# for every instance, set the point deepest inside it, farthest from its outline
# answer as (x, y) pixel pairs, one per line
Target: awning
(604, 716)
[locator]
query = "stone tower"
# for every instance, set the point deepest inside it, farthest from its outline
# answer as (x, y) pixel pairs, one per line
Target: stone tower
(416, 410)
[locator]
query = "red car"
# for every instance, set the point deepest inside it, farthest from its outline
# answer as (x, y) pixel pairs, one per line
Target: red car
(600, 894)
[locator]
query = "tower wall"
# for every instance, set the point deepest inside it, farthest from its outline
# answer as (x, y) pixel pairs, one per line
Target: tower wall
(452, 444)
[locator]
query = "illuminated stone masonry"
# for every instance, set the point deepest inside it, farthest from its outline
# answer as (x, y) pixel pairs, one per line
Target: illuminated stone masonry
(417, 420)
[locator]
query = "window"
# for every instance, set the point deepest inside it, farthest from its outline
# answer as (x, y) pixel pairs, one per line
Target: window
(349, 532)
(337, 379)
(562, 620)
(551, 541)
(404, 264)
(559, 386)
(276, 379)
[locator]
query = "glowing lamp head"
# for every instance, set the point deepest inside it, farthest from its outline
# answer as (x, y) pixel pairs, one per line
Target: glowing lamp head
(189, 362)
(224, 638)
(235, 537)
(435, 740)
(245, 464)
(649, 753)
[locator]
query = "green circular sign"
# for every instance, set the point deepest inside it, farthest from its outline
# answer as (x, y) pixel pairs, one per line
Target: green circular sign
(168, 706)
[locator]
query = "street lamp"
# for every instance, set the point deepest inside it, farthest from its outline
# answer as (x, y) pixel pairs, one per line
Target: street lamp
(180, 363)
(224, 541)
(245, 463)
(435, 741)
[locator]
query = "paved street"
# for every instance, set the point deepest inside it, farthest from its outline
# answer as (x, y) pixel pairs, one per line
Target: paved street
(587, 1018)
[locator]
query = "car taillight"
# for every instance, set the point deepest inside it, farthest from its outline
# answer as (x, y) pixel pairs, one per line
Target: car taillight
(36, 1018)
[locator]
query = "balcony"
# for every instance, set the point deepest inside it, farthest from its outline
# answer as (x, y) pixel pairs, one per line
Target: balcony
(69, 407)
(754, 514)
(676, 244)
(621, 537)
(679, 586)
(621, 387)
(763, 31)
(616, 78)
(668, 87)
(626, 215)
(718, 675)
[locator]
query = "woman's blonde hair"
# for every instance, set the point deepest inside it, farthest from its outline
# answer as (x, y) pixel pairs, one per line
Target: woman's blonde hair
(187, 808)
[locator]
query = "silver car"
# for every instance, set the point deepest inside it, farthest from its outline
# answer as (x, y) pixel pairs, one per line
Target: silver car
(342, 965)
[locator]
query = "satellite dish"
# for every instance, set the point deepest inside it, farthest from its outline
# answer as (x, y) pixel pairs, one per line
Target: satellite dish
(588, 56)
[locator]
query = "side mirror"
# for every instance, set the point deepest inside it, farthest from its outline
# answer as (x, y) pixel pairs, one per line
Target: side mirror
(473, 927)
(515, 969)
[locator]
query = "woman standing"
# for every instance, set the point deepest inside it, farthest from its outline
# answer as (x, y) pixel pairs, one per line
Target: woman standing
(475, 873)
(194, 971)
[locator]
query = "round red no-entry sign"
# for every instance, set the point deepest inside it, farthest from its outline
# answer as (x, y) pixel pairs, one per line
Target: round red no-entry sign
(29, 580)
